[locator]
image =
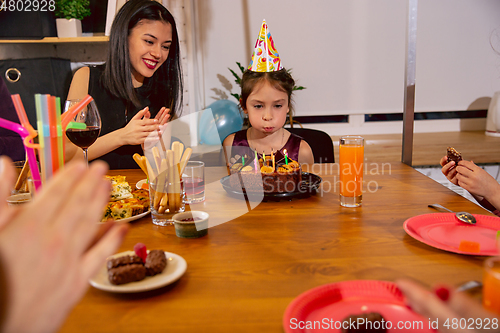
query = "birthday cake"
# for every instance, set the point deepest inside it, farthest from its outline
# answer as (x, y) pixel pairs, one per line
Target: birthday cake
(265, 175)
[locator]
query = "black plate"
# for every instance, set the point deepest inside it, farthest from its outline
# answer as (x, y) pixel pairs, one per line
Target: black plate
(308, 186)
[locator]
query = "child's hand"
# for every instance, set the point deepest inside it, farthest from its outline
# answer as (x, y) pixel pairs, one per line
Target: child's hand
(476, 180)
(138, 128)
(448, 170)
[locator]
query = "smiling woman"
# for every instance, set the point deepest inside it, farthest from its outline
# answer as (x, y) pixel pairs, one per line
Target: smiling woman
(149, 45)
(139, 87)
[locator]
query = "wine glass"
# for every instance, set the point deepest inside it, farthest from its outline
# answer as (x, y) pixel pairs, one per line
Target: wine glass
(84, 137)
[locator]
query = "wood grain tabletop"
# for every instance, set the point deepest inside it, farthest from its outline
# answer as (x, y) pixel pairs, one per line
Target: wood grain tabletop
(242, 276)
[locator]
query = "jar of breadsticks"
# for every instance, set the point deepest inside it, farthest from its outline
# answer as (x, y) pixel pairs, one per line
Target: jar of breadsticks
(164, 168)
(167, 199)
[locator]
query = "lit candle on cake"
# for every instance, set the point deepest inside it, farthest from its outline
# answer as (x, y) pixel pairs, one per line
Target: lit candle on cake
(272, 158)
(286, 156)
(256, 162)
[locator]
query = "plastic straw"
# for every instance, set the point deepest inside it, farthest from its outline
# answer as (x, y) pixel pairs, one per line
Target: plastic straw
(44, 154)
(68, 116)
(60, 141)
(21, 114)
(54, 148)
(23, 132)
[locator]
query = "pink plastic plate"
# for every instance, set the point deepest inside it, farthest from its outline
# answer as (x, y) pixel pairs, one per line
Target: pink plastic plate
(443, 231)
(327, 306)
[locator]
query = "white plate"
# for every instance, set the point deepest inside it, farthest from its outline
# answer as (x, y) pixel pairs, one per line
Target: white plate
(176, 267)
(132, 218)
(139, 183)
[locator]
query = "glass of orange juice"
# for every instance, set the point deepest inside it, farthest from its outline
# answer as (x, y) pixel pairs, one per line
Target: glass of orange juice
(351, 155)
(491, 284)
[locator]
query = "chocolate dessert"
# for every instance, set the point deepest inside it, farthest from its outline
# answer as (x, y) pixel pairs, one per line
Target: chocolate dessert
(128, 273)
(156, 262)
(364, 322)
(130, 268)
(453, 155)
(123, 261)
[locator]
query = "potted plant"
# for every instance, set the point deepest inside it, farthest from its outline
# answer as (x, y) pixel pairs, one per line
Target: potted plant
(69, 14)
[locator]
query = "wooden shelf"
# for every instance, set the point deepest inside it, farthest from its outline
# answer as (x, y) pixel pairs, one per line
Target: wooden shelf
(56, 40)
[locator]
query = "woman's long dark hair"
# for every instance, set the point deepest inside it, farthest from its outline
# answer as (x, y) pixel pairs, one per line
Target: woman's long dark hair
(165, 86)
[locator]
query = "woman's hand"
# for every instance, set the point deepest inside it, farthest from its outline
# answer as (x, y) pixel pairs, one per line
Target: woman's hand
(138, 128)
(449, 170)
(163, 116)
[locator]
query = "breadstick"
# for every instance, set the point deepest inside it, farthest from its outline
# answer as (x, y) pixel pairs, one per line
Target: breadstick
(177, 189)
(164, 200)
(170, 187)
(151, 174)
(185, 159)
(160, 182)
(156, 157)
(22, 176)
(138, 159)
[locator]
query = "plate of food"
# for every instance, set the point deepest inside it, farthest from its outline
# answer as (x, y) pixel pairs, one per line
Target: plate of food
(269, 177)
(308, 186)
(338, 304)
(142, 184)
(129, 219)
(443, 231)
(126, 272)
(125, 204)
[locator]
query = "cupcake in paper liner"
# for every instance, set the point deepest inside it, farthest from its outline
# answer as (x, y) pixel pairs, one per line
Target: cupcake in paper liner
(265, 57)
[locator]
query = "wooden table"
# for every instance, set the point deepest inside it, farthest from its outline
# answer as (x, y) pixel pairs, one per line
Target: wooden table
(428, 148)
(242, 276)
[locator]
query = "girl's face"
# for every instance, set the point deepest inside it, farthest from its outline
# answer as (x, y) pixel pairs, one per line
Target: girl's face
(267, 108)
(148, 45)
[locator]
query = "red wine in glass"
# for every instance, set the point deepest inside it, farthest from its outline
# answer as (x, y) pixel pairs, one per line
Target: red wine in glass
(83, 138)
(89, 116)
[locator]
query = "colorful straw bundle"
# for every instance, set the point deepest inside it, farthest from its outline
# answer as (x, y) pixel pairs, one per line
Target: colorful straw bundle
(51, 125)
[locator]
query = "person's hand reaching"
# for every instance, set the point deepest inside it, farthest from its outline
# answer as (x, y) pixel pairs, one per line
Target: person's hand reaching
(48, 248)
(445, 305)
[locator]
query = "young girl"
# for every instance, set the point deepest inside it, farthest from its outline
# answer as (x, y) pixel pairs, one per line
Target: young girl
(139, 87)
(266, 96)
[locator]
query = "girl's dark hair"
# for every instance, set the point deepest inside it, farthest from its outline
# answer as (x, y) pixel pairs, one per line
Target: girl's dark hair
(281, 80)
(165, 86)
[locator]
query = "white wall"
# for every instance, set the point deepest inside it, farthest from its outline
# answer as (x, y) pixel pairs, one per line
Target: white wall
(350, 54)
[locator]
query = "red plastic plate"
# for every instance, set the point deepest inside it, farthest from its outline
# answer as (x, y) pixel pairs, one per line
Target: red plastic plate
(443, 231)
(327, 306)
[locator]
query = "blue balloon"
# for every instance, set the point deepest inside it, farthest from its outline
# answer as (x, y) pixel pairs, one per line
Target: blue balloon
(226, 119)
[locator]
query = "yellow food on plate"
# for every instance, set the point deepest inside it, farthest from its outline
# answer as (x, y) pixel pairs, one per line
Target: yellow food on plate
(120, 189)
(132, 202)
